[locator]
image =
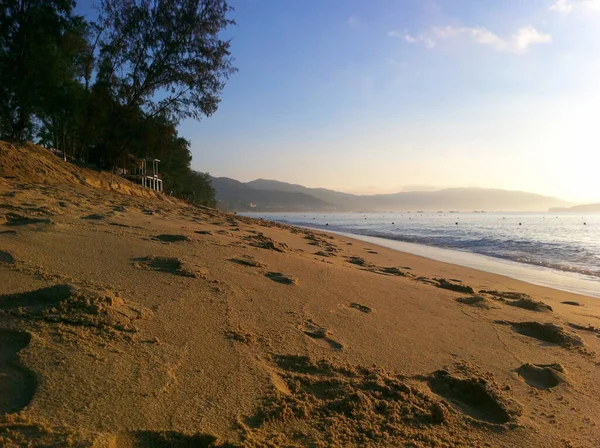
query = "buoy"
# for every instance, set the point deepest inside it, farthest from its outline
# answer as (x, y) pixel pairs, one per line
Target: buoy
(520, 224)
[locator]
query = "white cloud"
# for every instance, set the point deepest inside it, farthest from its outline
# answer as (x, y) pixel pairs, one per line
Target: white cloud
(527, 36)
(427, 41)
(562, 6)
(478, 34)
(517, 43)
(567, 6)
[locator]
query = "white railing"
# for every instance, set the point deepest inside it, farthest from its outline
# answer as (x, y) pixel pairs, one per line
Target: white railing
(152, 182)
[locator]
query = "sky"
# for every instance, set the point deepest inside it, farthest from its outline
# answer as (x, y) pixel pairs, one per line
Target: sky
(381, 96)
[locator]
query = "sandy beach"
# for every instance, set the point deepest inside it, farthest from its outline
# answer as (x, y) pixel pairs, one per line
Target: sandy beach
(129, 319)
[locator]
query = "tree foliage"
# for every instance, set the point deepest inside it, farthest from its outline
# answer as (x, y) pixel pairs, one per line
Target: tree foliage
(165, 56)
(110, 90)
(34, 52)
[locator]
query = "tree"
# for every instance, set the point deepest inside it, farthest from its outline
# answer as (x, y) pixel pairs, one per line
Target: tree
(110, 91)
(166, 56)
(62, 105)
(32, 44)
(199, 190)
(160, 58)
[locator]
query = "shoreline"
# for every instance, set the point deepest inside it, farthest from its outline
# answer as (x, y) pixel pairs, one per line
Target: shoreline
(570, 282)
(538, 276)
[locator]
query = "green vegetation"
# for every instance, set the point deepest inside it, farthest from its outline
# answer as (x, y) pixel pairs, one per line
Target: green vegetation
(110, 91)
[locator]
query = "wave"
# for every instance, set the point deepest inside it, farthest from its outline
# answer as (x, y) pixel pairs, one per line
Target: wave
(535, 253)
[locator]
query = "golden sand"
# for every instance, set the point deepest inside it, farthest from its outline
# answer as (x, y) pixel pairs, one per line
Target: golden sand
(132, 321)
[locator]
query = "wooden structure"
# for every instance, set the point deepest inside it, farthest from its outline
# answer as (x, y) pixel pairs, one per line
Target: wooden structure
(149, 178)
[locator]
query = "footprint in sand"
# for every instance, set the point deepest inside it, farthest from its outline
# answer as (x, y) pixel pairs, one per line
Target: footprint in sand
(361, 308)
(511, 295)
(476, 301)
(542, 376)
(71, 305)
(474, 396)
(453, 285)
(247, 260)
(164, 264)
(17, 384)
(14, 219)
(547, 332)
(528, 303)
(359, 261)
(264, 242)
(158, 439)
(6, 258)
(94, 217)
(392, 271)
(165, 238)
(117, 224)
(281, 278)
(519, 300)
(324, 254)
(320, 335)
(572, 303)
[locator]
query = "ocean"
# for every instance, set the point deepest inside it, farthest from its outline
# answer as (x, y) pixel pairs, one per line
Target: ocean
(557, 250)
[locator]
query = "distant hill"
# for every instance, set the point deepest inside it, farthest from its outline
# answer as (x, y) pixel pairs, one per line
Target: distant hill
(335, 199)
(271, 195)
(589, 208)
(237, 196)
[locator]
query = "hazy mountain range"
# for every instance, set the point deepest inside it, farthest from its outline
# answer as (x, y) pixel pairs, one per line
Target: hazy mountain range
(273, 196)
(588, 208)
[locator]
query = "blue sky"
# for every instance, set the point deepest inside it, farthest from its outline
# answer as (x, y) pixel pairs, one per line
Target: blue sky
(386, 95)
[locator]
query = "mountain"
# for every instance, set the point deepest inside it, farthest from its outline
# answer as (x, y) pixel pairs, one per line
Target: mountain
(271, 195)
(335, 198)
(588, 208)
(236, 196)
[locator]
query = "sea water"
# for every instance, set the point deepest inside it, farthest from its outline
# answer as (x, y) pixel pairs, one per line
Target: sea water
(556, 250)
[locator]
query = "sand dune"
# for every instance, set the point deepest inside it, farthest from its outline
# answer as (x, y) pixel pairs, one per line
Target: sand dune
(160, 324)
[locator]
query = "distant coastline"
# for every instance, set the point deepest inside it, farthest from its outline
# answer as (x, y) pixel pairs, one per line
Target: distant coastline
(587, 208)
(269, 196)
